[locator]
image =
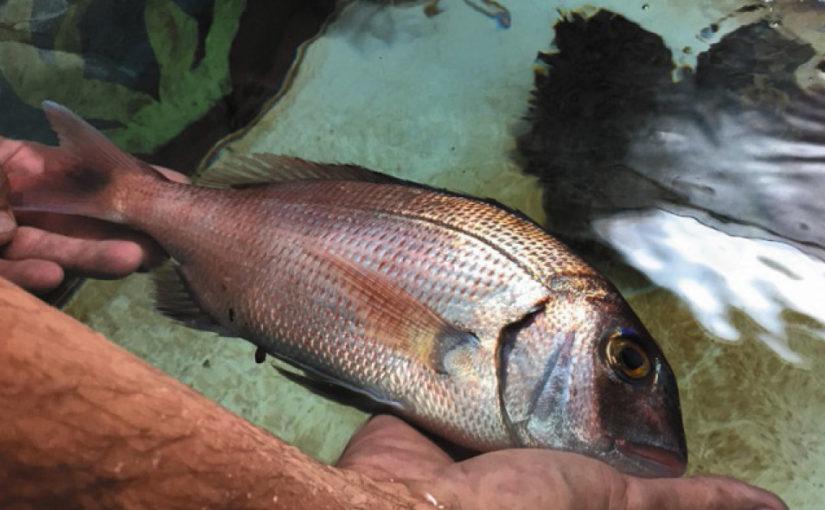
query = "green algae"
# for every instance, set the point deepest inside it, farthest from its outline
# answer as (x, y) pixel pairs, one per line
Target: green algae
(188, 89)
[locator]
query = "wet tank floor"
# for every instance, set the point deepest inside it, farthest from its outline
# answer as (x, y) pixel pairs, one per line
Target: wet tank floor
(441, 100)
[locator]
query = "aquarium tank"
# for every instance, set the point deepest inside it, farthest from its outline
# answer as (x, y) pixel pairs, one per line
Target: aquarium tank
(677, 146)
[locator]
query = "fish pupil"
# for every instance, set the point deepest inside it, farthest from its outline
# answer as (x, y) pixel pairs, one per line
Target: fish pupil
(632, 358)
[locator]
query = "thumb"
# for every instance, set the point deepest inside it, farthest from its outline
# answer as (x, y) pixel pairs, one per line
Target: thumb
(701, 492)
(386, 448)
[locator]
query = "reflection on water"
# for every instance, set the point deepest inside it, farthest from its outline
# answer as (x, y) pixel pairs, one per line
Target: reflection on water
(745, 163)
(715, 273)
(728, 156)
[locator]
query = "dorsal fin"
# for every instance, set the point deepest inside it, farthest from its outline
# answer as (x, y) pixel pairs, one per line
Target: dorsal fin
(174, 299)
(240, 171)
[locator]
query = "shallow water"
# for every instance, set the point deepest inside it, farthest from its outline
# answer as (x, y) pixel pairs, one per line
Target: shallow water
(688, 187)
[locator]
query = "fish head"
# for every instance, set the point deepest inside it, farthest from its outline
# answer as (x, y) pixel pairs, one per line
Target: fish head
(584, 375)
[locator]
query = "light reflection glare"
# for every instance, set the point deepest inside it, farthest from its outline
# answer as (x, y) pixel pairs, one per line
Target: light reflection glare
(761, 279)
(745, 168)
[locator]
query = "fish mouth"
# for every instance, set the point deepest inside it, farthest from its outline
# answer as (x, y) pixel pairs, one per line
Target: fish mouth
(654, 459)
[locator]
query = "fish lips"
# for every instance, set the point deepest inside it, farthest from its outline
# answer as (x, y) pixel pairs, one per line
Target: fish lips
(653, 461)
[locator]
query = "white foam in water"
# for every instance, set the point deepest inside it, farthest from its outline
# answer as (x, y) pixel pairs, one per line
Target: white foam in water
(714, 272)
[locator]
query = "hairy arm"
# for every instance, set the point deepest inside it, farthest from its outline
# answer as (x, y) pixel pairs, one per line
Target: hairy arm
(87, 425)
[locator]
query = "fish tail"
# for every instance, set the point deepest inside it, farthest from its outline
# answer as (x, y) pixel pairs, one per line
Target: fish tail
(98, 180)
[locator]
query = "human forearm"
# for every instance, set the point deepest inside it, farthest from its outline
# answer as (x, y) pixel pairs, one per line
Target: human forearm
(83, 423)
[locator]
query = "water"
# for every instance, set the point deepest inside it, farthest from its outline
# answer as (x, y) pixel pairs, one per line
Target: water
(678, 148)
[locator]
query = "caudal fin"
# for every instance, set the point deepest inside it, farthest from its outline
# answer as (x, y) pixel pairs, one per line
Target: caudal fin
(95, 178)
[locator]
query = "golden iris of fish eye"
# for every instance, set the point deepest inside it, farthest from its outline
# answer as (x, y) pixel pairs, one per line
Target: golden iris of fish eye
(618, 349)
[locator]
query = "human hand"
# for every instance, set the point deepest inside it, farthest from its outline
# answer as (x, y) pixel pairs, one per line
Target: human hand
(38, 249)
(387, 449)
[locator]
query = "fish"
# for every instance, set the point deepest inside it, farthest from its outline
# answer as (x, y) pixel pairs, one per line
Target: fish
(457, 313)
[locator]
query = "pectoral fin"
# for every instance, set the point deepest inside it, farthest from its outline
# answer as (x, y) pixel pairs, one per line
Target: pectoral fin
(401, 321)
(315, 381)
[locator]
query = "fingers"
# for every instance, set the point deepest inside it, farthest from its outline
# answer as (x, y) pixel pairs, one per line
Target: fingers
(9, 153)
(34, 275)
(522, 479)
(101, 259)
(386, 448)
(26, 162)
(37, 255)
(706, 492)
(531, 478)
(20, 159)
(36, 258)
(91, 230)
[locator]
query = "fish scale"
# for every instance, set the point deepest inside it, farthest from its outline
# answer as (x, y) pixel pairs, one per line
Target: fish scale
(450, 289)
(465, 293)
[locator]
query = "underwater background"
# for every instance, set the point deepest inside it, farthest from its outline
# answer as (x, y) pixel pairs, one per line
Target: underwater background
(676, 145)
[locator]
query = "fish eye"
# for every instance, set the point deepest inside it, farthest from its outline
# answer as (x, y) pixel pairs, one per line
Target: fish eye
(627, 358)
